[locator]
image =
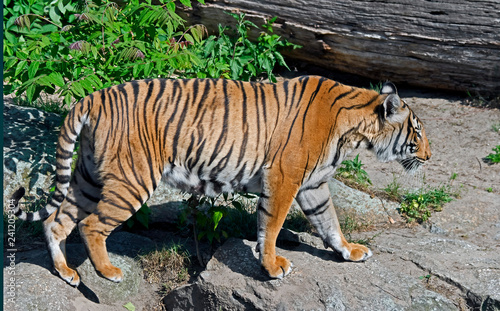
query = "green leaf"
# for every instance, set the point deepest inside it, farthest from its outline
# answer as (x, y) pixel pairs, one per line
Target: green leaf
(56, 78)
(20, 67)
(54, 15)
(129, 306)
(30, 92)
(33, 68)
(9, 63)
(87, 84)
(171, 6)
(61, 7)
(143, 219)
(78, 89)
(216, 217)
(186, 3)
(44, 80)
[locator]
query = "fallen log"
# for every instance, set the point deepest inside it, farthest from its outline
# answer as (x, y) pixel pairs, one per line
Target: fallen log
(445, 44)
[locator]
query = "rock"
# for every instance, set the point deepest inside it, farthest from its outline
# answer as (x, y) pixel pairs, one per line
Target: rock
(30, 139)
(233, 280)
(355, 203)
(469, 267)
(38, 289)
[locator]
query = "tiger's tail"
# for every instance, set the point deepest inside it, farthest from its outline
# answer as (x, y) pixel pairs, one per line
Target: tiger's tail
(70, 130)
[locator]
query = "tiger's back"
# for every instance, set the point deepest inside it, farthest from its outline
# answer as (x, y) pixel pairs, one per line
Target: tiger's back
(281, 140)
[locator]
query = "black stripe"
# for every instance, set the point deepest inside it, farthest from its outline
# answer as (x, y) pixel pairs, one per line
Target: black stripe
(318, 209)
(314, 187)
(43, 213)
(341, 96)
(63, 179)
(90, 197)
(260, 208)
(313, 96)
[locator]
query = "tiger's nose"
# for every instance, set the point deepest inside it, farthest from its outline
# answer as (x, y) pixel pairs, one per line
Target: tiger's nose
(428, 155)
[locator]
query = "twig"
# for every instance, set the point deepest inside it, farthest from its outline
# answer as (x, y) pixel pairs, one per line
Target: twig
(480, 166)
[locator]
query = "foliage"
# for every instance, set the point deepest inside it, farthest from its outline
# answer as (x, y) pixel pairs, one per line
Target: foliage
(208, 213)
(393, 190)
(417, 206)
(238, 58)
(351, 171)
(376, 87)
(415, 209)
(62, 48)
(77, 50)
(494, 157)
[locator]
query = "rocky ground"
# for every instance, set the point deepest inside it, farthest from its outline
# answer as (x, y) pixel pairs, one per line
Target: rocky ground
(449, 263)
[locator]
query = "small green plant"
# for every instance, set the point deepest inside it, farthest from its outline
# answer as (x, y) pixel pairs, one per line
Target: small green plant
(494, 157)
(453, 176)
(351, 172)
(393, 190)
(415, 210)
(208, 213)
(376, 87)
(417, 206)
(489, 189)
(496, 127)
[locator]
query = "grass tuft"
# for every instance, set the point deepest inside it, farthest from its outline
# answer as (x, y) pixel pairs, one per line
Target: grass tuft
(167, 266)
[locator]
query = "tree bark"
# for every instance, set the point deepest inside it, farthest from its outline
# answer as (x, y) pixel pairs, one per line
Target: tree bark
(446, 44)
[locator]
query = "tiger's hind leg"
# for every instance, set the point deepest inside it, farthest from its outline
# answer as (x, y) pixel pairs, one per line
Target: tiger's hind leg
(81, 200)
(317, 205)
(61, 223)
(119, 202)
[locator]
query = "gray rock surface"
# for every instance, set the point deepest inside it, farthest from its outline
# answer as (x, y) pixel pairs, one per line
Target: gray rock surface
(38, 289)
(233, 280)
(368, 210)
(30, 139)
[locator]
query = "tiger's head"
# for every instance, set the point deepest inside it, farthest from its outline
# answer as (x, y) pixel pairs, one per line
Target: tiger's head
(401, 135)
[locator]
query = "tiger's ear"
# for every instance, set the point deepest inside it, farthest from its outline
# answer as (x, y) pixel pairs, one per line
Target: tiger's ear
(388, 88)
(391, 105)
(392, 102)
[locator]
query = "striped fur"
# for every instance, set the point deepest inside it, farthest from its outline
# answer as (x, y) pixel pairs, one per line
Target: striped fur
(282, 140)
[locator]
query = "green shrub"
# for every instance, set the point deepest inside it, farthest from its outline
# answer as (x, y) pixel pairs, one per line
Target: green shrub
(494, 157)
(76, 50)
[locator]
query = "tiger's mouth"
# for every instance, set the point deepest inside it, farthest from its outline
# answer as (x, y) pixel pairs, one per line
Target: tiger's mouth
(412, 164)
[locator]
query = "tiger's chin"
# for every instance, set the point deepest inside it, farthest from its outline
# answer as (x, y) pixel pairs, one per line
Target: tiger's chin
(411, 165)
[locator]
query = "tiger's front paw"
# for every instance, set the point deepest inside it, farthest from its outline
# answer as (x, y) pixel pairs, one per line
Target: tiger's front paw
(277, 268)
(358, 252)
(69, 275)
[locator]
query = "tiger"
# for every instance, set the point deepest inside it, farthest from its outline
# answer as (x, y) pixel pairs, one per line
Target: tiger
(282, 140)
